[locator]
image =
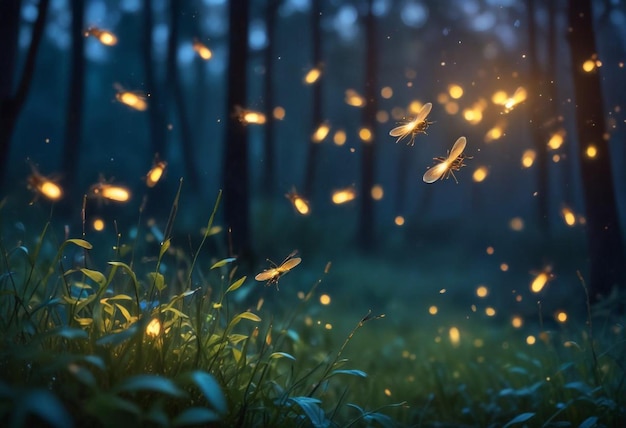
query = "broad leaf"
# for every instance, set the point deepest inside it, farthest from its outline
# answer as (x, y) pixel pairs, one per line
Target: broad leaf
(235, 285)
(152, 383)
(195, 416)
(523, 417)
(210, 388)
(223, 262)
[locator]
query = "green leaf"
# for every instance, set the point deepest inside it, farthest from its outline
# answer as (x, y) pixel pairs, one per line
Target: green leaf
(195, 416)
(310, 407)
(80, 242)
(115, 339)
(105, 405)
(211, 390)
(157, 279)
(590, 422)
(149, 383)
(164, 247)
(235, 285)
(523, 417)
(70, 333)
(83, 375)
(244, 315)
(42, 403)
(282, 355)
(128, 270)
(95, 276)
(223, 262)
(125, 313)
(358, 373)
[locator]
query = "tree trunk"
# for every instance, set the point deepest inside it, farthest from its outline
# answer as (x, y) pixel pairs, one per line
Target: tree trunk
(606, 252)
(74, 117)
(535, 86)
(235, 173)
(268, 173)
(366, 213)
(11, 103)
(316, 106)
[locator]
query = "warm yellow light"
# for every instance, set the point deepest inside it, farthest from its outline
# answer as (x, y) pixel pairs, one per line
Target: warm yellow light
(312, 76)
(568, 216)
(455, 91)
(504, 267)
(365, 135)
(386, 92)
(414, 107)
(344, 195)
(387, 392)
(480, 174)
(473, 115)
(433, 310)
(153, 328)
(517, 321)
(399, 220)
(50, 190)
(516, 224)
(154, 175)
(110, 192)
(397, 113)
(592, 151)
(340, 137)
(98, 225)
(325, 299)
(320, 133)
(377, 192)
(300, 204)
(202, 50)
(482, 291)
(105, 37)
(455, 336)
(443, 97)
(133, 100)
(539, 282)
(328, 326)
(278, 113)
(499, 97)
(518, 97)
(556, 140)
(561, 316)
(589, 66)
(531, 340)
(490, 250)
(254, 117)
(352, 98)
(382, 116)
(528, 158)
(490, 312)
(452, 107)
(494, 133)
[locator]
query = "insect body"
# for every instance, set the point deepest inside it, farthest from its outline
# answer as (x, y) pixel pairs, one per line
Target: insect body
(273, 274)
(448, 165)
(414, 127)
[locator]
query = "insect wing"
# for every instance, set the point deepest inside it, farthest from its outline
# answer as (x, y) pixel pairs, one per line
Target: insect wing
(267, 275)
(289, 264)
(458, 148)
(402, 130)
(423, 112)
(436, 172)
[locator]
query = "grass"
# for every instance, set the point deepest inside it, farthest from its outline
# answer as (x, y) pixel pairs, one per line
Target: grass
(169, 343)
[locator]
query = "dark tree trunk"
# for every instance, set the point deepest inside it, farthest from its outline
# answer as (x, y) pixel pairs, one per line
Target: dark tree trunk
(606, 252)
(268, 176)
(186, 136)
(366, 213)
(316, 106)
(235, 173)
(74, 117)
(11, 103)
(535, 104)
(156, 110)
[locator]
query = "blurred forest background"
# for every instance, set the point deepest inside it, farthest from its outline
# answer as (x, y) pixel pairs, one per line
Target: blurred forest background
(270, 98)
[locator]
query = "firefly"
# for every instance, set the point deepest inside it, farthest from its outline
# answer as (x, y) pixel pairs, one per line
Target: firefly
(248, 116)
(105, 37)
(353, 98)
(106, 191)
(273, 274)
(414, 127)
(156, 172)
(448, 165)
(300, 204)
(541, 279)
(343, 195)
(313, 75)
(133, 99)
(202, 50)
(44, 186)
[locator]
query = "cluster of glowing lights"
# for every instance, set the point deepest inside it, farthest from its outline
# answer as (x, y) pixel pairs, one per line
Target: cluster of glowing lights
(248, 117)
(556, 140)
(202, 50)
(44, 186)
(156, 173)
(480, 174)
(447, 166)
(540, 280)
(105, 37)
(109, 192)
(591, 64)
(509, 102)
(313, 75)
(528, 158)
(354, 99)
(474, 114)
(133, 99)
(300, 204)
(344, 195)
(320, 133)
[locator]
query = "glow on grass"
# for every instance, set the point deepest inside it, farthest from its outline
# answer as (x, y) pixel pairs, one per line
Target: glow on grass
(153, 328)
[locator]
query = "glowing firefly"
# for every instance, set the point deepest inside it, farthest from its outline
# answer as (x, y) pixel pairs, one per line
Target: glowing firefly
(248, 116)
(448, 165)
(273, 274)
(300, 204)
(105, 37)
(414, 127)
(344, 195)
(156, 172)
(44, 186)
(109, 192)
(202, 50)
(133, 99)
